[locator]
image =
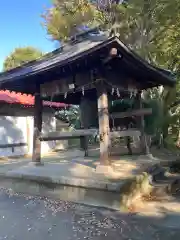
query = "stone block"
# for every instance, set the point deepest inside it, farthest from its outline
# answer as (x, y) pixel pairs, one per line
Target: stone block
(114, 187)
(37, 164)
(103, 169)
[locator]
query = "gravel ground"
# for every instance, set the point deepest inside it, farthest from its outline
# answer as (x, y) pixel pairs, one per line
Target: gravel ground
(39, 218)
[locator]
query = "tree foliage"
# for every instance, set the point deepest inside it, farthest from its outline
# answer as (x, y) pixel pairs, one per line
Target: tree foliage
(150, 27)
(64, 18)
(70, 115)
(20, 56)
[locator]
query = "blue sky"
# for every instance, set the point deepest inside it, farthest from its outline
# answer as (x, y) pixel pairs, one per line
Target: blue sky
(20, 25)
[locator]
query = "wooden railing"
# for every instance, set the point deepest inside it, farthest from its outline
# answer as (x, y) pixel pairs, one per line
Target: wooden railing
(138, 112)
(81, 134)
(11, 145)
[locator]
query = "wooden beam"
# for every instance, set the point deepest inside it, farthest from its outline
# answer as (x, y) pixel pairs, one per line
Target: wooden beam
(38, 106)
(125, 133)
(84, 119)
(11, 145)
(28, 135)
(145, 147)
(138, 112)
(51, 136)
(78, 134)
(67, 135)
(103, 117)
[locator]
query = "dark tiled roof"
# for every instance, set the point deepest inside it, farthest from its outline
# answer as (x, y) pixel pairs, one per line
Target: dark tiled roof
(75, 51)
(60, 56)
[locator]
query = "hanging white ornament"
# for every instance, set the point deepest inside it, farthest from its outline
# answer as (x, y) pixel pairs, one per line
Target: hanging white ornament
(71, 86)
(57, 89)
(118, 93)
(131, 94)
(112, 92)
(83, 91)
(65, 95)
(44, 94)
(52, 96)
(135, 92)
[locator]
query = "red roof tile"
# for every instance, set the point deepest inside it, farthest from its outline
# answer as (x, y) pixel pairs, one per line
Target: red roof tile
(24, 99)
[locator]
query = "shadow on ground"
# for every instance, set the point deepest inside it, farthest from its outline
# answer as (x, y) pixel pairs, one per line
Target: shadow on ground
(42, 218)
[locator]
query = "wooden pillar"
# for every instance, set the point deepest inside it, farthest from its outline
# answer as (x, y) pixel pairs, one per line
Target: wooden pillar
(88, 113)
(88, 118)
(38, 108)
(84, 118)
(144, 145)
(28, 136)
(84, 112)
(103, 116)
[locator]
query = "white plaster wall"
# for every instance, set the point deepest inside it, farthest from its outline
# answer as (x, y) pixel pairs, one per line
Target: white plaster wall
(12, 130)
(15, 130)
(48, 125)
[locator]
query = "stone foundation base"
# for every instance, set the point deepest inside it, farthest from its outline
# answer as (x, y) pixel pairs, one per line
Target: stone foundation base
(103, 169)
(37, 164)
(148, 156)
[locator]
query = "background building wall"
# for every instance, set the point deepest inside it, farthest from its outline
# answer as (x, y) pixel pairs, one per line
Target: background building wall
(20, 130)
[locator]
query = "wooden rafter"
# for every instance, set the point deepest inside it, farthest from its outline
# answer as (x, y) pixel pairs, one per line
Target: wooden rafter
(138, 112)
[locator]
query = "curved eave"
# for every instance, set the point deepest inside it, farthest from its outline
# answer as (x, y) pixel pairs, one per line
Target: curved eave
(57, 60)
(158, 76)
(27, 74)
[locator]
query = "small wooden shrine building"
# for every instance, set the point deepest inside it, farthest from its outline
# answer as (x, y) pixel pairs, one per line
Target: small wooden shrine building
(90, 71)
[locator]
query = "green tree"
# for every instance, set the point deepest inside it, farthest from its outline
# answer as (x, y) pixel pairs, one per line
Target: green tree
(150, 27)
(167, 118)
(140, 22)
(70, 115)
(61, 20)
(154, 35)
(20, 56)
